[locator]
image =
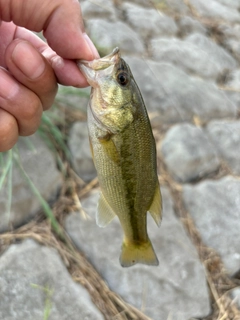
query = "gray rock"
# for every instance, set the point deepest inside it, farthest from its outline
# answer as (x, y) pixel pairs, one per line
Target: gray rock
(188, 153)
(108, 35)
(234, 97)
(213, 9)
(178, 7)
(143, 3)
(176, 287)
(185, 56)
(158, 25)
(98, 8)
(231, 38)
(235, 295)
(233, 80)
(226, 137)
(231, 3)
(189, 25)
(214, 207)
(230, 31)
(231, 86)
(31, 275)
(192, 57)
(174, 96)
(80, 149)
(39, 164)
(233, 46)
(217, 53)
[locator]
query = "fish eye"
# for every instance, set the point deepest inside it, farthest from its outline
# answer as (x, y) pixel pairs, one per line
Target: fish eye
(122, 78)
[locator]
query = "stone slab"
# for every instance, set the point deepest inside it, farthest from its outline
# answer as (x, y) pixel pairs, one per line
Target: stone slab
(188, 153)
(34, 278)
(215, 208)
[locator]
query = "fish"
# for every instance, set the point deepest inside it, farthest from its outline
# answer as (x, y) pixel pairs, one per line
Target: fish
(124, 154)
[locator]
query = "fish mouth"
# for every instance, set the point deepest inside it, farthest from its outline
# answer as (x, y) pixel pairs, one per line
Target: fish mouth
(98, 68)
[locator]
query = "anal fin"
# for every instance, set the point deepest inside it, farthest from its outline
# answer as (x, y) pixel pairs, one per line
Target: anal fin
(156, 207)
(105, 214)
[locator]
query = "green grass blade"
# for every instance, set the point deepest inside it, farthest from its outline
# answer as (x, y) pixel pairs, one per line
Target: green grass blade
(48, 303)
(9, 202)
(57, 134)
(47, 209)
(47, 309)
(6, 168)
(1, 160)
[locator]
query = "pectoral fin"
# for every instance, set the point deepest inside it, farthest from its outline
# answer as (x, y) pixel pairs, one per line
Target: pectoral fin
(110, 149)
(105, 214)
(91, 147)
(156, 206)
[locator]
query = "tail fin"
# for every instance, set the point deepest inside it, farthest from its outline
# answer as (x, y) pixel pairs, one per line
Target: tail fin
(133, 253)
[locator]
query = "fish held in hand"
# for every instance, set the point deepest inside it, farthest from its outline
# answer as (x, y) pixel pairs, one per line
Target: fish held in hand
(124, 154)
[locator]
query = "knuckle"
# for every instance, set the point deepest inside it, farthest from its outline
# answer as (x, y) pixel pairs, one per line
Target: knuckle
(32, 110)
(29, 114)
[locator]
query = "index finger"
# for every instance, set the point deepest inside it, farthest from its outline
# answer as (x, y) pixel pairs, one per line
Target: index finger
(60, 20)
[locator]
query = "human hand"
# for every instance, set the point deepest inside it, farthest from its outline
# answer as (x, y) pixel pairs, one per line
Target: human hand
(29, 68)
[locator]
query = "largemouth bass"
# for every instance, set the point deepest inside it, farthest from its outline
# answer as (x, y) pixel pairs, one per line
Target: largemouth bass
(124, 154)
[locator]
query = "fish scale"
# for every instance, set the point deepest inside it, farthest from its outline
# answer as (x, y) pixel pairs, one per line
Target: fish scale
(124, 154)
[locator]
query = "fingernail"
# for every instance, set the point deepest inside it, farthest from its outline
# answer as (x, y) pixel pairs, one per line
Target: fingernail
(28, 60)
(91, 46)
(8, 87)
